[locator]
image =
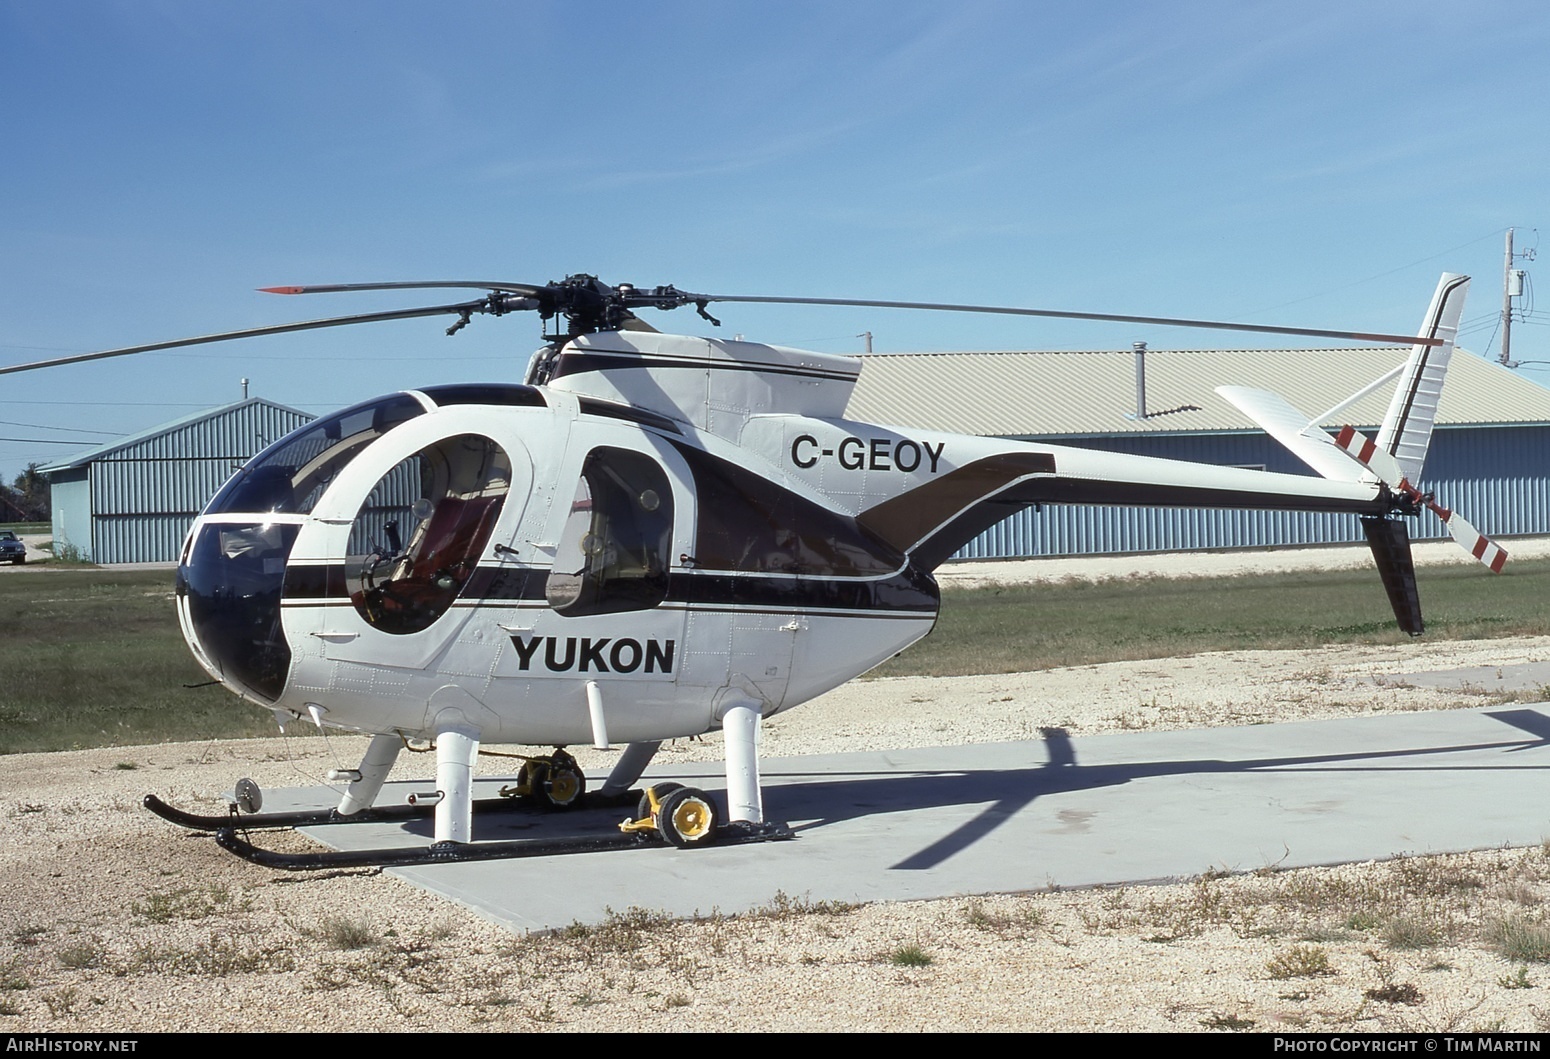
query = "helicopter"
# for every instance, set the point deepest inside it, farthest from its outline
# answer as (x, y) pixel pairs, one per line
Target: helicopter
(656, 536)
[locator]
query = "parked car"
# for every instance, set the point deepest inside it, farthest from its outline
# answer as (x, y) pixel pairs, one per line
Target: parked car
(12, 550)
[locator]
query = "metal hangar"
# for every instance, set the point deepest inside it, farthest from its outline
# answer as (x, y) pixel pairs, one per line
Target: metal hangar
(1490, 454)
(133, 500)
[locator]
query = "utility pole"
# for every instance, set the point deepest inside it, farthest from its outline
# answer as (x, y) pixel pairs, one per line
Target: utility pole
(868, 336)
(1512, 287)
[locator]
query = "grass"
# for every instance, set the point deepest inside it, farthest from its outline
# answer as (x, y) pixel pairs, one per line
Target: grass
(1521, 940)
(95, 658)
(1022, 628)
(910, 956)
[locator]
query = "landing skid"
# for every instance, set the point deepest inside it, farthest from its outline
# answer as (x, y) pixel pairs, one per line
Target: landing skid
(374, 815)
(732, 834)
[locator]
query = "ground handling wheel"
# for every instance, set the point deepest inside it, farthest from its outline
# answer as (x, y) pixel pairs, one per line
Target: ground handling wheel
(652, 800)
(554, 781)
(531, 778)
(563, 786)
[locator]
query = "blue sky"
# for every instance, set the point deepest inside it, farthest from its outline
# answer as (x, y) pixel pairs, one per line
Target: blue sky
(1316, 164)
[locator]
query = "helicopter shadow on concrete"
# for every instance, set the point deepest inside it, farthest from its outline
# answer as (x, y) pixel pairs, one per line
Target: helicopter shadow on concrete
(912, 811)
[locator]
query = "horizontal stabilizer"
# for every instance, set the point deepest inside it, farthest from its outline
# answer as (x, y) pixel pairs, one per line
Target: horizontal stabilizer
(1291, 428)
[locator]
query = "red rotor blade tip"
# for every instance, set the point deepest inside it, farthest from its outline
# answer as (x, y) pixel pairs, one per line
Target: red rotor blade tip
(281, 290)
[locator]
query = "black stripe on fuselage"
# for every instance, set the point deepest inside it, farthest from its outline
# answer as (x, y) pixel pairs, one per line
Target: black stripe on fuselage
(629, 413)
(907, 592)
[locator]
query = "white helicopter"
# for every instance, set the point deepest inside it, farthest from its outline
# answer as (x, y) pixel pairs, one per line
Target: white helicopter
(657, 536)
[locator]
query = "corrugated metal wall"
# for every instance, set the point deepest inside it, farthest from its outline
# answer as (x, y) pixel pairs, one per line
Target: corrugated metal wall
(1498, 478)
(146, 495)
(70, 500)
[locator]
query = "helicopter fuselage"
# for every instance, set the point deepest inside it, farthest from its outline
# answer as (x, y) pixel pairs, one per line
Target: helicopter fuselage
(622, 549)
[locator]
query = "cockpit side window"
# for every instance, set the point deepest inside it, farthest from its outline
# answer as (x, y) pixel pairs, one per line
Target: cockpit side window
(616, 548)
(422, 530)
(290, 475)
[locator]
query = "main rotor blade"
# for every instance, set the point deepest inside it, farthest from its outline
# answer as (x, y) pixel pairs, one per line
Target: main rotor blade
(254, 332)
(1167, 321)
(335, 288)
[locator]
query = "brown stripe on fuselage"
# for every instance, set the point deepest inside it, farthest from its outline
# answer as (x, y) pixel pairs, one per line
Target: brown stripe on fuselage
(908, 518)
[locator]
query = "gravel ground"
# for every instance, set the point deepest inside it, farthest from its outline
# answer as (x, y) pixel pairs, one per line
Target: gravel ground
(112, 920)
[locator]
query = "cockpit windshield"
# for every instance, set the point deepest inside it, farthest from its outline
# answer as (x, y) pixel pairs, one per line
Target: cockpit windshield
(289, 476)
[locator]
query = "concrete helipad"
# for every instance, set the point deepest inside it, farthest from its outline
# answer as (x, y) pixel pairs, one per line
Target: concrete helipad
(1060, 811)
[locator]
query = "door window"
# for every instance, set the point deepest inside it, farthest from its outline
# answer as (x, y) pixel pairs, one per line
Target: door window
(422, 530)
(616, 548)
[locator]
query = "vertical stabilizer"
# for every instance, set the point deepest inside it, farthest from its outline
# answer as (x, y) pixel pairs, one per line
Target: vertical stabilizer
(1407, 426)
(1390, 543)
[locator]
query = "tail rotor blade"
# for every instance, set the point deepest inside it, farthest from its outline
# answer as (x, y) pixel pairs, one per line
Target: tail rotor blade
(1490, 554)
(1366, 452)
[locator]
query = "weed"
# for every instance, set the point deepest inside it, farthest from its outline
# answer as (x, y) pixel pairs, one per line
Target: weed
(11, 977)
(26, 937)
(126, 766)
(1395, 993)
(61, 1002)
(677, 1000)
(194, 903)
(9, 1008)
(1516, 981)
(345, 933)
(1411, 932)
(1300, 961)
(216, 958)
(783, 907)
(1363, 920)
(81, 956)
(1221, 1021)
(982, 918)
(910, 956)
(1520, 892)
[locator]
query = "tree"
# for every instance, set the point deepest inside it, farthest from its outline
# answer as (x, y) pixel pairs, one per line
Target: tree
(27, 498)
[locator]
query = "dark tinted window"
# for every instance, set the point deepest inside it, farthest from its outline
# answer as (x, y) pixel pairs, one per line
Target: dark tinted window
(484, 393)
(232, 581)
(748, 523)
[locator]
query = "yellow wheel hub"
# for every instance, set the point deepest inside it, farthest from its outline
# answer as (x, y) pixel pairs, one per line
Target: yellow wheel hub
(563, 786)
(692, 818)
